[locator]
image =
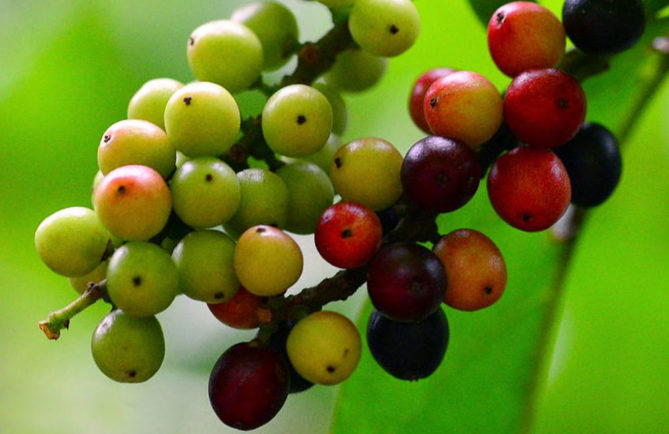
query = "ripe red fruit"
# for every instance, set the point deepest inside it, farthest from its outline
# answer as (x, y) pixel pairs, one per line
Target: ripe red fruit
(406, 282)
(248, 385)
(544, 107)
(529, 188)
(417, 96)
(240, 312)
(348, 234)
(524, 35)
(440, 174)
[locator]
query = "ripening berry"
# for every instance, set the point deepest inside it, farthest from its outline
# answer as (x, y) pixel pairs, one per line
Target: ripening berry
(324, 347)
(248, 385)
(417, 95)
(406, 282)
(544, 107)
(523, 35)
(593, 162)
(356, 70)
(475, 269)
(440, 174)
(149, 102)
(384, 27)
(278, 341)
(529, 188)
(240, 312)
(348, 234)
(464, 106)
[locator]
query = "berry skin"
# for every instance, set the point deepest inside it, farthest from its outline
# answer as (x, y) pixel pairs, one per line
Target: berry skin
(72, 242)
(202, 119)
(384, 27)
(406, 282)
(440, 174)
(264, 200)
(267, 261)
(323, 158)
(337, 4)
(356, 71)
(278, 342)
(464, 106)
(240, 312)
(417, 96)
(339, 113)
(128, 349)
(544, 107)
(475, 269)
(593, 162)
(133, 202)
(248, 385)
(603, 26)
(149, 102)
(408, 351)
(529, 188)
(81, 283)
(324, 347)
(367, 171)
(136, 142)
(348, 234)
(523, 35)
(226, 53)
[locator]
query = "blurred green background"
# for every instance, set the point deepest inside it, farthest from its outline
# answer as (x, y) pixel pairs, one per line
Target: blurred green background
(69, 68)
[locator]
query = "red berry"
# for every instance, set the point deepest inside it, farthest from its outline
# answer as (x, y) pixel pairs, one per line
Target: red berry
(240, 312)
(348, 234)
(406, 282)
(524, 35)
(248, 385)
(417, 96)
(529, 188)
(544, 107)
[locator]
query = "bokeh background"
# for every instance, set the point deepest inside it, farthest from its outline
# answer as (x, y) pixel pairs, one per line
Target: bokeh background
(69, 68)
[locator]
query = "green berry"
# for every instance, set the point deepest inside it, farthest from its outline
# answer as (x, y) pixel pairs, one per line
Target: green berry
(310, 192)
(202, 119)
(339, 113)
(96, 182)
(337, 4)
(128, 349)
(297, 121)
(226, 53)
(323, 158)
(276, 28)
(264, 200)
(384, 27)
(205, 192)
(149, 102)
(72, 241)
(367, 171)
(136, 141)
(355, 71)
(206, 271)
(142, 279)
(81, 283)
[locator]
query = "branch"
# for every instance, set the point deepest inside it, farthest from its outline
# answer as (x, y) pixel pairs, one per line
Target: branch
(60, 319)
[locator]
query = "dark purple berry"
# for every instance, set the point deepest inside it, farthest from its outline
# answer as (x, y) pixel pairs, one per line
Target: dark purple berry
(278, 343)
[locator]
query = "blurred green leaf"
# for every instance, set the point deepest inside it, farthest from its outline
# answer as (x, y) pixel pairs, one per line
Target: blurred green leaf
(485, 8)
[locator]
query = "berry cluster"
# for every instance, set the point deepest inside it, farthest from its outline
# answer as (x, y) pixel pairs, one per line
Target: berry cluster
(191, 199)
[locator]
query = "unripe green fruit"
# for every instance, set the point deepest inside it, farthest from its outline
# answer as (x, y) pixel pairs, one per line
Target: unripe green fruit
(128, 349)
(337, 4)
(204, 262)
(324, 347)
(72, 241)
(384, 27)
(297, 121)
(267, 261)
(276, 28)
(264, 200)
(339, 113)
(355, 71)
(205, 192)
(142, 279)
(202, 119)
(135, 141)
(323, 158)
(96, 182)
(81, 283)
(149, 102)
(310, 192)
(226, 53)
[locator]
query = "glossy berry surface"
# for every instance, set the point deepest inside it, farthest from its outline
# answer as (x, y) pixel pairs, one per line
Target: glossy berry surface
(149, 102)
(408, 351)
(544, 107)
(603, 26)
(475, 269)
(417, 95)
(356, 70)
(529, 188)
(594, 165)
(524, 35)
(406, 282)
(81, 283)
(248, 385)
(264, 200)
(440, 174)
(278, 342)
(464, 106)
(240, 312)
(348, 234)
(384, 27)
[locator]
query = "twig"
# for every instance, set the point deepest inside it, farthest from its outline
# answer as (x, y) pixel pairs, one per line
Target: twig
(60, 319)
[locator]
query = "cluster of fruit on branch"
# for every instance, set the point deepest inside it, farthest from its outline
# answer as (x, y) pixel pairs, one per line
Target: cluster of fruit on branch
(191, 199)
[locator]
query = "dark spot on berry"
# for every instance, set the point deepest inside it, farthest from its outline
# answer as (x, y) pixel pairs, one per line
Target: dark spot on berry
(209, 177)
(219, 295)
(488, 290)
(120, 190)
(330, 369)
(337, 162)
(137, 280)
(345, 352)
(393, 29)
(187, 100)
(346, 233)
(563, 103)
(526, 217)
(191, 41)
(442, 180)
(301, 119)
(274, 225)
(106, 138)
(132, 374)
(433, 102)
(260, 230)
(499, 17)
